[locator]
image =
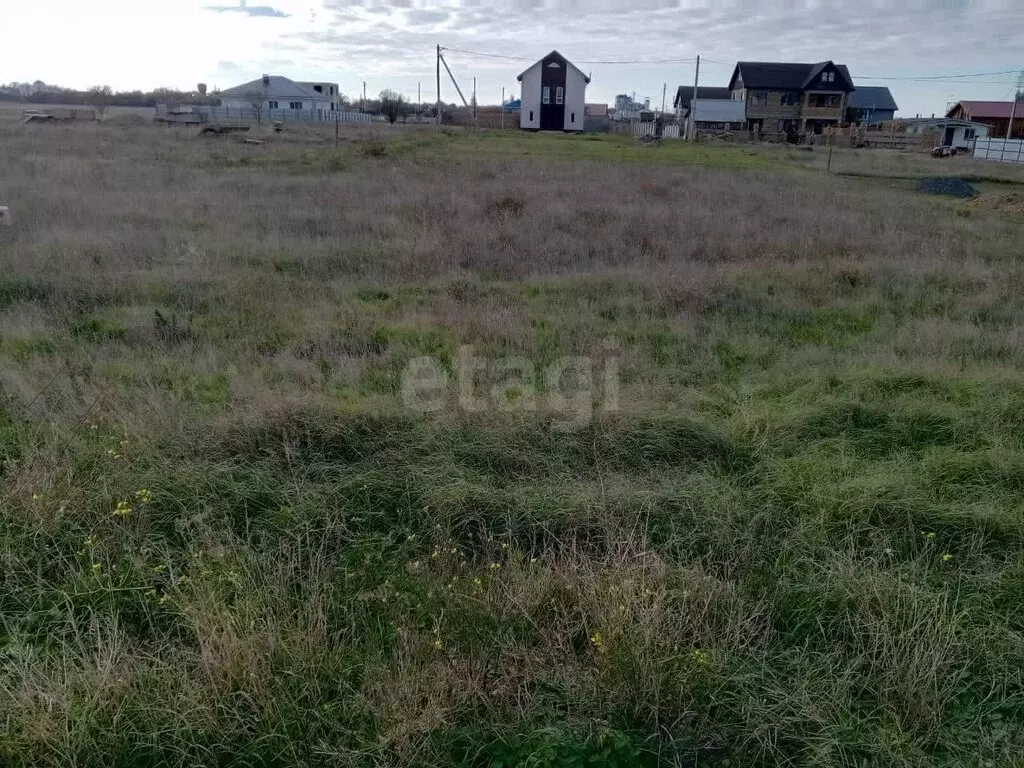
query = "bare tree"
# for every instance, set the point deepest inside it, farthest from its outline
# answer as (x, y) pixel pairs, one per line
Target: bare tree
(392, 105)
(100, 96)
(257, 102)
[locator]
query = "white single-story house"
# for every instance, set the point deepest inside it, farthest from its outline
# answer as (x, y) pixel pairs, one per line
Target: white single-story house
(553, 95)
(953, 132)
(278, 93)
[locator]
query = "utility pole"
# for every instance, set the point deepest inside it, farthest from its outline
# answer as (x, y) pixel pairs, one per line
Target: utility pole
(419, 94)
(362, 104)
(693, 103)
(476, 124)
(503, 107)
(438, 86)
(1018, 97)
(664, 91)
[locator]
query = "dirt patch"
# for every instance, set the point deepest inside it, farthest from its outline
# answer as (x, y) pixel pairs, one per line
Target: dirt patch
(1005, 202)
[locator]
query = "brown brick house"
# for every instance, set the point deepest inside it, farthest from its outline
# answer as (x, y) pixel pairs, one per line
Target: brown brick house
(790, 98)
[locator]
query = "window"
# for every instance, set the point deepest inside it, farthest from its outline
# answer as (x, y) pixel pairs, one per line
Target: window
(295, 105)
(790, 98)
(572, 117)
(824, 100)
(758, 98)
(318, 88)
(545, 95)
(272, 104)
(559, 95)
(828, 77)
(531, 115)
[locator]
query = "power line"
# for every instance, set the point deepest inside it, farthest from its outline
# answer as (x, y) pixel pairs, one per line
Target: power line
(941, 77)
(690, 60)
(575, 61)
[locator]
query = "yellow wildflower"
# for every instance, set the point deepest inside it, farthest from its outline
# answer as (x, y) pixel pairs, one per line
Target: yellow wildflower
(438, 645)
(96, 567)
(597, 641)
(699, 657)
(946, 557)
(144, 496)
(123, 509)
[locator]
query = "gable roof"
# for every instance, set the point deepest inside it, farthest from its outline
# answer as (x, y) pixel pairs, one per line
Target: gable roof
(684, 94)
(782, 75)
(556, 54)
(872, 97)
(989, 109)
(277, 88)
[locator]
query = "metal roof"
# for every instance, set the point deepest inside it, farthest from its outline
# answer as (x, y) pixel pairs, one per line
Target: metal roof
(277, 88)
(872, 97)
(586, 78)
(684, 94)
(783, 75)
(989, 109)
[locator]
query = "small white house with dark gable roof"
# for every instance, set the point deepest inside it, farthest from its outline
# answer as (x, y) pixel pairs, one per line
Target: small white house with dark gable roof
(554, 95)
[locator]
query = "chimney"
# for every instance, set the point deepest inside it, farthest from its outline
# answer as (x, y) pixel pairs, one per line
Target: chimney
(266, 81)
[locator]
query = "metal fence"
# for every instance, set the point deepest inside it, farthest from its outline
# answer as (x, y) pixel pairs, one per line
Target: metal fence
(205, 114)
(1000, 150)
(285, 115)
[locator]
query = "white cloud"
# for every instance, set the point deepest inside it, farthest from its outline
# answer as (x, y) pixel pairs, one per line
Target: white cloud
(390, 43)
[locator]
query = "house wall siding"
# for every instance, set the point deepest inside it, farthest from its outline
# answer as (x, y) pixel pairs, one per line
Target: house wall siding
(575, 100)
(530, 98)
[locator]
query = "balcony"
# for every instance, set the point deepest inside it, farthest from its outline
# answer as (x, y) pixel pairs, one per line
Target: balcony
(822, 113)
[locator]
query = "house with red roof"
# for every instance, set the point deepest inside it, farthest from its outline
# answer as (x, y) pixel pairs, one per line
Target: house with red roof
(995, 114)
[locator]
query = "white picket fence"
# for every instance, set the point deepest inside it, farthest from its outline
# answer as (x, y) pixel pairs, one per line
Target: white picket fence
(668, 131)
(1000, 150)
(644, 129)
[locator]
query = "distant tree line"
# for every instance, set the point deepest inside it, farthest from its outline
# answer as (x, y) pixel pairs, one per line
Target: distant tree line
(100, 96)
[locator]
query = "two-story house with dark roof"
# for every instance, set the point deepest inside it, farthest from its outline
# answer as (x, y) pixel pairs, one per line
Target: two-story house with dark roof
(785, 98)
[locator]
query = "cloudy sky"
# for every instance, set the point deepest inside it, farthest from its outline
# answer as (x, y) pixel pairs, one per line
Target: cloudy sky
(390, 43)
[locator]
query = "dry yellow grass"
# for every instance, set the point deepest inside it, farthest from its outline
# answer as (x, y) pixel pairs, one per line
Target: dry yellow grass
(226, 541)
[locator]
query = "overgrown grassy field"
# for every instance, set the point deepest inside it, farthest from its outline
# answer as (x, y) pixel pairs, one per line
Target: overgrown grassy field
(785, 528)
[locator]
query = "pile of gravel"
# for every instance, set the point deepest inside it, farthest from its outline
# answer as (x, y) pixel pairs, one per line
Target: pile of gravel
(947, 187)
